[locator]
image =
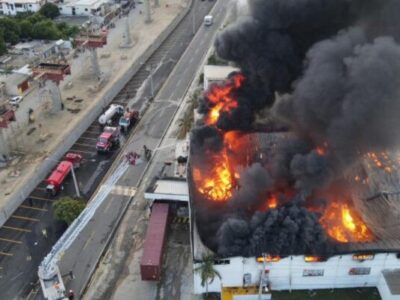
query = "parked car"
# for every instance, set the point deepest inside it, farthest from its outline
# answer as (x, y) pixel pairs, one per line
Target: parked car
(15, 100)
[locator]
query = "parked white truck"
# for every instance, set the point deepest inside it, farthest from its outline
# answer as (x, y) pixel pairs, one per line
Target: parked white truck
(111, 114)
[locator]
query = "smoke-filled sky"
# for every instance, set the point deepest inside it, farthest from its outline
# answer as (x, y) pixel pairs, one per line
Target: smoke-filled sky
(336, 66)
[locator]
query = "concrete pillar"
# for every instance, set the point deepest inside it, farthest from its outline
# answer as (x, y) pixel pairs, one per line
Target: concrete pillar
(95, 63)
(127, 39)
(55, 95)
(147, 11)
(4, 146)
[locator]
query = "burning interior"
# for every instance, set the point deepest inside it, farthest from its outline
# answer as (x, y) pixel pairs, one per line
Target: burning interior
(297, 153)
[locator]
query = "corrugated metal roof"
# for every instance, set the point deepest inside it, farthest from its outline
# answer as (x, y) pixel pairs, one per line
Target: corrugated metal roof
(218, 72)
(171, 187)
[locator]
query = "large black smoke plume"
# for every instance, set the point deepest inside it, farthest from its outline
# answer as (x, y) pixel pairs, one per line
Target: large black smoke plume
(336, 65)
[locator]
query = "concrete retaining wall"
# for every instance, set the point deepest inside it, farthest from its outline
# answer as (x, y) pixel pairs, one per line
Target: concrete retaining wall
(106, 96)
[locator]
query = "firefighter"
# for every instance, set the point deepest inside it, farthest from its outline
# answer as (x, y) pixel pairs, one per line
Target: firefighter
(147, 152)
(71, 295)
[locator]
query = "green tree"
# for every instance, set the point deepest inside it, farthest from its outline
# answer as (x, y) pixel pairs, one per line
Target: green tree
(35, 18)
(45, 30)
(3, 48)
(207, 271)
(26, 29)
(185, 124)
(49, 10)
(11, 30)
(67, 209)
(23, 15)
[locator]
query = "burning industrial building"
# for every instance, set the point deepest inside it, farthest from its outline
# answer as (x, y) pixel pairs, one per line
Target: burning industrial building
(296, 154)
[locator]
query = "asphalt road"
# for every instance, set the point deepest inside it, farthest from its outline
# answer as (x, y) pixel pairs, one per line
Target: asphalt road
(81, 258)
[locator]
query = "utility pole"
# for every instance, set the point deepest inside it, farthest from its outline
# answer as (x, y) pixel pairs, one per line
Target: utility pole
(194, 18)
(147, 11)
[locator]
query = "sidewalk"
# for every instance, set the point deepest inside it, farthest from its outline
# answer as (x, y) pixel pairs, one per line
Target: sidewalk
(114, 63)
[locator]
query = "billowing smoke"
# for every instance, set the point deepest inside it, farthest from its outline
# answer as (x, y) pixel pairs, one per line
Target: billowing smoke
(336, 66)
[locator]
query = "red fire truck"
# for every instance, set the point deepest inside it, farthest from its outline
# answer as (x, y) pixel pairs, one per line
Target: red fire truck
(108, 139)
(55, 180)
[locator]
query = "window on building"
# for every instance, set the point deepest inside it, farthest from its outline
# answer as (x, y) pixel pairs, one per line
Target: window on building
(362, 257)
(221, 262)
(359, 271)
(17, 5)
(86, 9)
(313, 272)
(30, 5)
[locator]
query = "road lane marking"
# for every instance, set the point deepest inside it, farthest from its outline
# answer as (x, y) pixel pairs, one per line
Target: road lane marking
(88, 240)
(10, 241)
(16, 228)
(108, 206)
(6, 253)
(88, 152)
(33, 207)
(25, 218)
(93, 132)
(41, 198)
(88, 138)
(85, 145)
(121, 190)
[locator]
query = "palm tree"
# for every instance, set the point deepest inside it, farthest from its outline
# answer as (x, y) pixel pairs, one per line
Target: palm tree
(207, 271)
(185, 123)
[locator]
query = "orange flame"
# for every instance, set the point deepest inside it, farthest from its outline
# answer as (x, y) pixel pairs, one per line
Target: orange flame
(220, 98)
(344, 225)
(268, 258)
(217, 185)
(313, 259)
(217, 182)
(272, 202)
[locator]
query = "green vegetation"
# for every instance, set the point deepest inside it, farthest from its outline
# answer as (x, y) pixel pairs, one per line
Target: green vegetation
(67, 209)
(186, 122)
(214, 60)
(207, 271)
(49, 10)
(336, 294)
(33, 26)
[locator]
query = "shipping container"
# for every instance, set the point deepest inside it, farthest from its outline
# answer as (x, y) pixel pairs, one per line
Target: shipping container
(150, 265)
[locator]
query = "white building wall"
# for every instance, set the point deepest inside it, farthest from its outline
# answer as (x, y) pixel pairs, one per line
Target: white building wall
(80, 10)
(11, 7)
(288, 273)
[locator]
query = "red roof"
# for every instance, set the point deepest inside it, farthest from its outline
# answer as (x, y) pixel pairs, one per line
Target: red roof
(156, 232)
(59, 173)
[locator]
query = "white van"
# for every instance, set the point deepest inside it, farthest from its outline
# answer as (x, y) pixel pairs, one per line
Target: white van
(208, 20)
